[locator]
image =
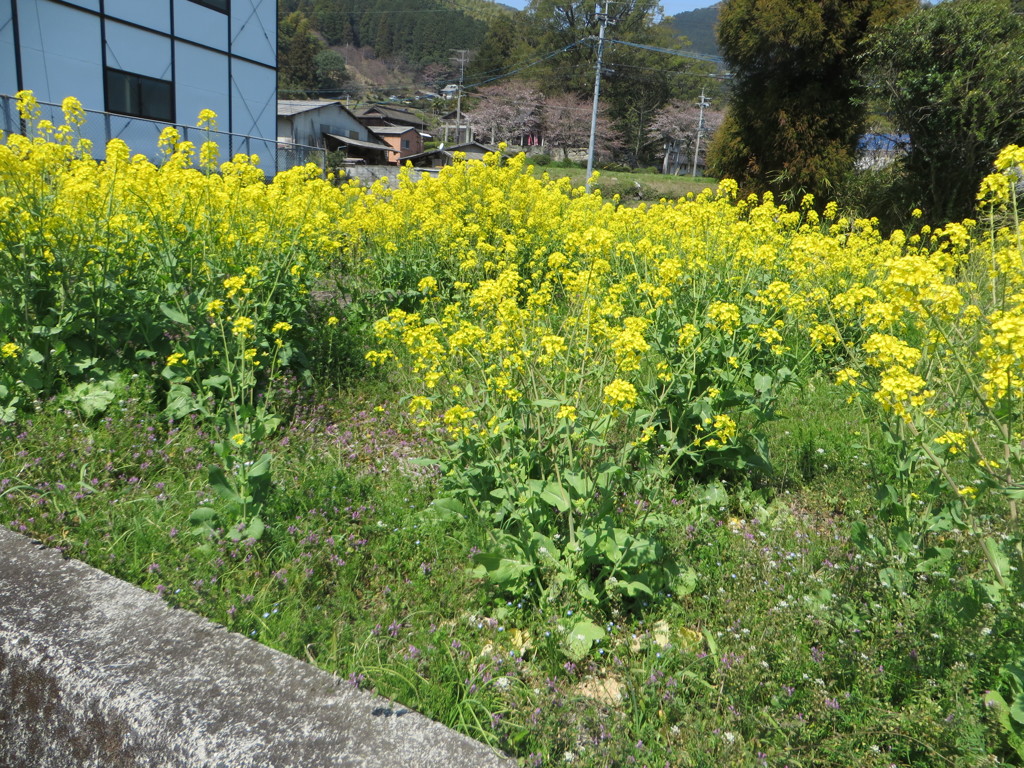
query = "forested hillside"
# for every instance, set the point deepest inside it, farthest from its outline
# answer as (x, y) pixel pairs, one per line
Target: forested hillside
(699, 28)
(419, 32)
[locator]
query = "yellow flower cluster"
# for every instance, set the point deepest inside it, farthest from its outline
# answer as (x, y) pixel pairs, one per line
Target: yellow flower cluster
(534, 296)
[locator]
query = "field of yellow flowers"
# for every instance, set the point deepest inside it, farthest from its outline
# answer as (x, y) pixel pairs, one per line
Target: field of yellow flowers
(568, 361)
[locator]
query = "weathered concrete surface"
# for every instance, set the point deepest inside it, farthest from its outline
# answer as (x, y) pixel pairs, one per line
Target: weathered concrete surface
(95, 672)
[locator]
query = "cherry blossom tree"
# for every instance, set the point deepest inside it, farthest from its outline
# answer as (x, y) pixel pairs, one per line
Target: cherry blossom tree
(507, 111)
(675, 128)
(566, 125)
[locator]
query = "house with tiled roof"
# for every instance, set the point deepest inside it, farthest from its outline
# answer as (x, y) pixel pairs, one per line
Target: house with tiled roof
(331, 125)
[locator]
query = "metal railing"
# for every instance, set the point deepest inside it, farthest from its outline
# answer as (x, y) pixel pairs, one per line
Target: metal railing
(141, 135)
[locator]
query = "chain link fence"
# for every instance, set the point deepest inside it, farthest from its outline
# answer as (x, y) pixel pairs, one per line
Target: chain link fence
(141, 136)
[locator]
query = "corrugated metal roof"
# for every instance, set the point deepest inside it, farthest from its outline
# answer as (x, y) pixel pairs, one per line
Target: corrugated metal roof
(288, 107)
(392, 130)
(359, 143)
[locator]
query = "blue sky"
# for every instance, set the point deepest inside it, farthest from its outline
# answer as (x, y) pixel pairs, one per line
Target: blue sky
(672, 7)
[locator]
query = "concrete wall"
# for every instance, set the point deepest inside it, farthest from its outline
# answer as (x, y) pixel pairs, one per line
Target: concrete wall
(368, 174)
(96, 673)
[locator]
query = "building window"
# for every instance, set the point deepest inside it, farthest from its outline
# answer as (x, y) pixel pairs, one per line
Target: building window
(139, 96)
(217, 5)
(405, 143)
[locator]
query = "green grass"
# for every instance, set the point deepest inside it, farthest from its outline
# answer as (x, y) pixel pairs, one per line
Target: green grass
(790, 651)
(652, 186)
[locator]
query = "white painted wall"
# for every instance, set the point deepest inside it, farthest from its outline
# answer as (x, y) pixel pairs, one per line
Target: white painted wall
(254, 30)
(199, 81)
(138, 51)
(253, 99)
(60, 52)
(147, 13)
(62, 55)
(92, 5)
(8, 62)
(201, 24)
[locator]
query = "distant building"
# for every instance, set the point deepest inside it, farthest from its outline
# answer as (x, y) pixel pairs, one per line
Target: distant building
(164, 60)
(877, 150)
(438, 158)
(329, 124)
(404, 140)
(384, 114)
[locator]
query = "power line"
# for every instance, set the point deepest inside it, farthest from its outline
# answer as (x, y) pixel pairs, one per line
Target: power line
(672, 51)
(524, 67)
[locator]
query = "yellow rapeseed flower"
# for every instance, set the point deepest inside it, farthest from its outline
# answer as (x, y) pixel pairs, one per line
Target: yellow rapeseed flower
(620, 394)
(243, 326)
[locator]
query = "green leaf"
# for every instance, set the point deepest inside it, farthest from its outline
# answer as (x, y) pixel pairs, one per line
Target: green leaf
(632, 588)
(936, 559)
(91, 398)
(583, 486)
(447, 509)
(997, 559)
(685, 583)
(555, 495)
(545, 403)
(202, 515)
(180, 402)
(586, 592)
(261, 466)
(712, 646)
(217, 382)
(85, 364)
(497, 569)
(581, 639)
(996, 704)
(174, 314)
(1017, 710)
(254, 530)
(221, 486)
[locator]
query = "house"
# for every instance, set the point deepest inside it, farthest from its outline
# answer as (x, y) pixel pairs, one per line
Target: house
(878, 150)
(404, 141)
(438, 158)
(383, 114)
(329, 124)
(161, 60)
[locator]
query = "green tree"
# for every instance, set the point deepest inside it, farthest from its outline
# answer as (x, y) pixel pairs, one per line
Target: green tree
(797, 107)
(637, 82)
(297, 48)
(330, 70)
(508, 43)
(952, 78)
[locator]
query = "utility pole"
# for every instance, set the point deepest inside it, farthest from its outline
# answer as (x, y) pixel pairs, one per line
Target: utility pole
(461, 58)
(704, 102)
(603, 18)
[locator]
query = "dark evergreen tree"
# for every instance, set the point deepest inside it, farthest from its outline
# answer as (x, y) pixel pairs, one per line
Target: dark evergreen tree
(297, 48)
(797, 107)
(952, 78)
